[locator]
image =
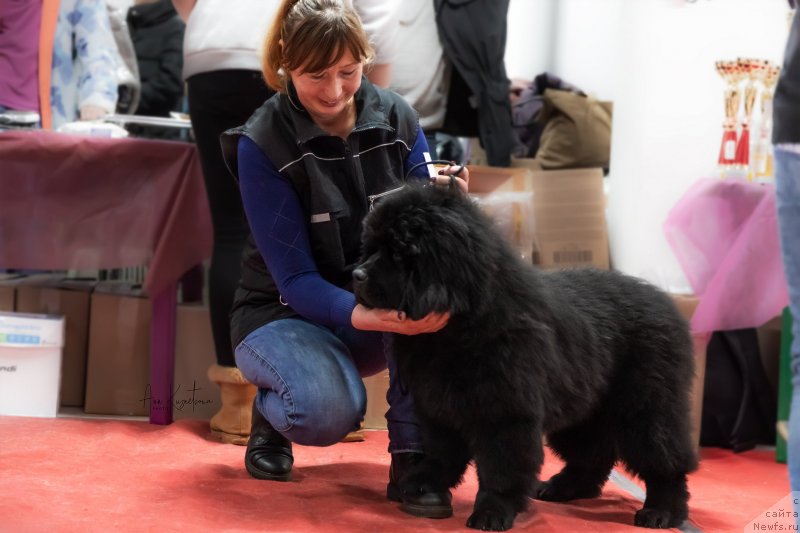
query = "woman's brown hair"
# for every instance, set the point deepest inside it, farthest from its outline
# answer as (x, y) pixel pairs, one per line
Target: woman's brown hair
(315, 35)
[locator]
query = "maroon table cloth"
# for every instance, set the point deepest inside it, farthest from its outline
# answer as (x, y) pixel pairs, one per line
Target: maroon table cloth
(76, 202)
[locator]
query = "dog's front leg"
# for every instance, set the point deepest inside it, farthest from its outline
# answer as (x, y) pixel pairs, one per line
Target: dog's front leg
(508, 459)
(444, 462)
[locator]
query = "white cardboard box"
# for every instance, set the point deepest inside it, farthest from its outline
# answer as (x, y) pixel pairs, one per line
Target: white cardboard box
(30, 364)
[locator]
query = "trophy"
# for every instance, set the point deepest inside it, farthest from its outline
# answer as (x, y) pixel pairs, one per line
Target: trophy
(752, 70)
(762, 164)
(732, 74)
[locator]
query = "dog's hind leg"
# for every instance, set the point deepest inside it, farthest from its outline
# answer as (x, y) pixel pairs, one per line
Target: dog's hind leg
(508, 457)
(655, 445)
(661, 454)
(589, 452)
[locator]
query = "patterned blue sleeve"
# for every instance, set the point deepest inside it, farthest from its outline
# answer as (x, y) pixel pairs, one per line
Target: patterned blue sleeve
(95, 49)
(280, 229)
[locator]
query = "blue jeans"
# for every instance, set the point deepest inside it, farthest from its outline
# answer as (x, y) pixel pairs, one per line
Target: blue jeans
(787, 201)
(309, 382)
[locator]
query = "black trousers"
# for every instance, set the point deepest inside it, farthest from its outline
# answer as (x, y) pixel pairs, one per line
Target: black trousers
(220, 100)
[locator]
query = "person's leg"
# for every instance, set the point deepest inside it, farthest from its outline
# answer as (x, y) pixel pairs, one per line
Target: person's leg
(371, 353)
(404, 432)
(218, 101)
(309, 388)
(787, 189)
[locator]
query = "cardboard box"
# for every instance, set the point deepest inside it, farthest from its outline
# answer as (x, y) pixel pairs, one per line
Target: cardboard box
(194, 395)
(484, 179)
(377, 386)
(568, 208)
(70, 299)
(30, 364)
(572, 248)
(687, 304)
(526, 162)
(118, 362)
(8, 292)
(10, 282)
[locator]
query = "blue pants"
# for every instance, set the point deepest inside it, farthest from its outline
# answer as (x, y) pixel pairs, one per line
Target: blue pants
(787, 190)
(309, 382)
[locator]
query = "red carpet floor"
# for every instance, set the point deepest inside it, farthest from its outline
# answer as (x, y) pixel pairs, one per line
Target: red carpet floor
(86, 475)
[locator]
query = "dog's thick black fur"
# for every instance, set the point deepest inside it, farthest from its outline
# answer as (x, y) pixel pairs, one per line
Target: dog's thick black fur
(599, 362)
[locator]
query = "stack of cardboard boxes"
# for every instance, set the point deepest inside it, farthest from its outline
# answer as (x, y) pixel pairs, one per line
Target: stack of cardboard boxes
(104, 366)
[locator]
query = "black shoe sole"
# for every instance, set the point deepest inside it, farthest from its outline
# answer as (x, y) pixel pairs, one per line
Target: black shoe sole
(269, 476)
(424, 511)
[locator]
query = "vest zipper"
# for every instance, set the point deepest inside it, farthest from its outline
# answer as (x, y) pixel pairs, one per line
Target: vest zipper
(373, 197)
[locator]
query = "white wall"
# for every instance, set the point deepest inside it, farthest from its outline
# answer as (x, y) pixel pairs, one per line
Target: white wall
(655, 60)
(529, 41)
(587, 44)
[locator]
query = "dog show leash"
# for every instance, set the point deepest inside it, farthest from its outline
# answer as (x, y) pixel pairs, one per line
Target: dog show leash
(436, 180)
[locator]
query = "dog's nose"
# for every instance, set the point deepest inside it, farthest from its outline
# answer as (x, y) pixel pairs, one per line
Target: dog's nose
(360, 274)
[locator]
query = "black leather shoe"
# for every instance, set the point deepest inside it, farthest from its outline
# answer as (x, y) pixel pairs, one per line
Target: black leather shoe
(269, 454)
(430, 504)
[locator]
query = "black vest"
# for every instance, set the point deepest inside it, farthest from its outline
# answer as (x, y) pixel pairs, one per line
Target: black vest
(336, 180)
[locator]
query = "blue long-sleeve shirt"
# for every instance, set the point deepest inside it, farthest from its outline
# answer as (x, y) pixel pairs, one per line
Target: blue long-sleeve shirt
(280, 230)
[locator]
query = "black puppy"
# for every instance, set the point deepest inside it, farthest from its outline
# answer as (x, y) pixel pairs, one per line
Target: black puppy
(599, 362)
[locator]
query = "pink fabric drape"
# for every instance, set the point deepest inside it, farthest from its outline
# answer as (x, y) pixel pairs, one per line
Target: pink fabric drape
(724, 234)
(76, 202)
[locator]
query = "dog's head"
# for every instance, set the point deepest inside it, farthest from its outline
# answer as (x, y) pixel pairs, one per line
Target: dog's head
(421, 252)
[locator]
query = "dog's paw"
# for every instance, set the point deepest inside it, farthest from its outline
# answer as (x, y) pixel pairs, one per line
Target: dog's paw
(491, 520)
(657, 518)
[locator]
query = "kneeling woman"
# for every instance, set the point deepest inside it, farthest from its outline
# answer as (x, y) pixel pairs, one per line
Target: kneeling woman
(310, 163)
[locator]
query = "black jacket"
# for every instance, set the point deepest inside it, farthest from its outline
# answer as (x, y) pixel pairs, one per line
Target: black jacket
(157, 35)
(335, 179)
(786, 106)
(473, 35)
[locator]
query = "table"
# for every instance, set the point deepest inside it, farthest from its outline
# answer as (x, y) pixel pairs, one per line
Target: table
(724, 234)
(74, 202)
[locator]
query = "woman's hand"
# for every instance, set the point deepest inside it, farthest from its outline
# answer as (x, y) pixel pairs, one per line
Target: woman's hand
(462, 177)
(393, 321)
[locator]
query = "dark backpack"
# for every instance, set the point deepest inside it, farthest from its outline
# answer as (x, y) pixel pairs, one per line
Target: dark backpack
(739, 403)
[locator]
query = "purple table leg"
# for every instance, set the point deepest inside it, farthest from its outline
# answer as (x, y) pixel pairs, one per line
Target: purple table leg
(162, 355)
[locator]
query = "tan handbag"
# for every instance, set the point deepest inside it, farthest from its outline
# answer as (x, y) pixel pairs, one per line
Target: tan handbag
(577, 132)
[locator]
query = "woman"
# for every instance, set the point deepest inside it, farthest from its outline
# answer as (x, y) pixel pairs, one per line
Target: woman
(310, 162)
(222, 69)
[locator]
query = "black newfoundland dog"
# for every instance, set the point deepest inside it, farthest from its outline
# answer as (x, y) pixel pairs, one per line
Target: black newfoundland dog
(599, 362)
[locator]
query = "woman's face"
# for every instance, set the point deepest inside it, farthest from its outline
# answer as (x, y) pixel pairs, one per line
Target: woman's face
(328, 94)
